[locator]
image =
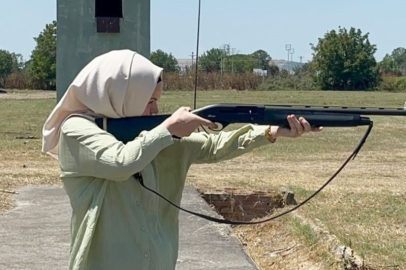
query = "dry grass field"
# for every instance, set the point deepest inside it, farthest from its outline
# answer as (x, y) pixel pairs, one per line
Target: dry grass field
(364, 207)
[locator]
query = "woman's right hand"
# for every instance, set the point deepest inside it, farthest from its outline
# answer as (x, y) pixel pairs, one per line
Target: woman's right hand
(183, 122)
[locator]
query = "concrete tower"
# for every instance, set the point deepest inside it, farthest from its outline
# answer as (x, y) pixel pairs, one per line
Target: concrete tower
(88, 28)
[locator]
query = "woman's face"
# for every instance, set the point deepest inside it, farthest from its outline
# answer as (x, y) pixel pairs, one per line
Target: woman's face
(152, 106)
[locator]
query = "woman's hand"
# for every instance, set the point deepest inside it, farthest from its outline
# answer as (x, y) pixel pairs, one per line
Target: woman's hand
(297, 128)
(183, 122)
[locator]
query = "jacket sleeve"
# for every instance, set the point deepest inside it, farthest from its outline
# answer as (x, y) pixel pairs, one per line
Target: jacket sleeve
(87, 150)
(211, 148)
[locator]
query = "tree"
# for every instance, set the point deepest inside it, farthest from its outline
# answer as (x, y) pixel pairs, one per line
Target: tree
(263, 58)
(388, 66)
(345, 60)
(399, 57)
(304, 69)
(242, 63)
(164, 60)
(212, 60)
(18, 62)
(42, 67)
(394, 64)
(6, 66)
(273, 70)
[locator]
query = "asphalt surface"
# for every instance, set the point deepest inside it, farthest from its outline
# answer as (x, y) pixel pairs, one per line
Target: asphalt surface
(35, 234)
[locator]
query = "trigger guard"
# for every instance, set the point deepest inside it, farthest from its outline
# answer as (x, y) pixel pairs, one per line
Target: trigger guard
(220, 125)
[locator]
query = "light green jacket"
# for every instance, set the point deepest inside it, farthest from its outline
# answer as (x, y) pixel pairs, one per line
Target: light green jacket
(117, 224)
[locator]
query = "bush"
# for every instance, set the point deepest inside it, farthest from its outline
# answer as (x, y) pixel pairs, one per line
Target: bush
(305, 82)
(212, 81)
(238, 81)
(393, 84)
(17, 80)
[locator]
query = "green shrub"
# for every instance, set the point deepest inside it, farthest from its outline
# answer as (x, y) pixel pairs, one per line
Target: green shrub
(393, 84)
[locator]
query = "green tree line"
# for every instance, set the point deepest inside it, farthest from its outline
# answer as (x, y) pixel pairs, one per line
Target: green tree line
(39, 72)
(342, 60)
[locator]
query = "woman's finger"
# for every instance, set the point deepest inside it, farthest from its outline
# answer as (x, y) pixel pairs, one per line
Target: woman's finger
(291, 121)
(317, 129)
(298, 125)
(305, 124)
(205, 122)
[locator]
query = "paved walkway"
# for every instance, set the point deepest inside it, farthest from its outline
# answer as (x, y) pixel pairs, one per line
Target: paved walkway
(35, 235)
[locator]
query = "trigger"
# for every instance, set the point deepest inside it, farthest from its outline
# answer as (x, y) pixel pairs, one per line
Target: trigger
(220, 126)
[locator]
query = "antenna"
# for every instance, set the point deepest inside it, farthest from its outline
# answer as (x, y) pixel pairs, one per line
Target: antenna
(197, 54)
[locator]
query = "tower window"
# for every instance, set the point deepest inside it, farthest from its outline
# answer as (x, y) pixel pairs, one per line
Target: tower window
(109, 8)
(108, 14)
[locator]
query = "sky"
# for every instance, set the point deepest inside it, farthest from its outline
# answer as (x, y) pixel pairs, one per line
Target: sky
(244, 25)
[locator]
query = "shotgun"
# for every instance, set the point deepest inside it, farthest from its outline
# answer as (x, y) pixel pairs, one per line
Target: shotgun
(224, 114)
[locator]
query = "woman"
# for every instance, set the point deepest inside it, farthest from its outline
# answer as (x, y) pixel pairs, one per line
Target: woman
(116, 224)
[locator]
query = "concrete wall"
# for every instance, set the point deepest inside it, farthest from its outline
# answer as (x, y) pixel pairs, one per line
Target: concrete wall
(78, 41)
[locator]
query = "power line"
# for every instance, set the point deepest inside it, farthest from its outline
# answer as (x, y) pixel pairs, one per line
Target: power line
(197, 53)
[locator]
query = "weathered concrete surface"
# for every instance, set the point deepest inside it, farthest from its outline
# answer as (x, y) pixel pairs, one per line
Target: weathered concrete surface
(35, 235)
(205, 244)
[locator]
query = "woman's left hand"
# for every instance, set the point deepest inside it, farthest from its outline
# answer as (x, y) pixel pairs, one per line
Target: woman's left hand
(297, 128)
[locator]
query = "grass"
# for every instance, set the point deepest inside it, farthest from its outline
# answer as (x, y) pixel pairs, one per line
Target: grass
(21, 160)
(304, 231)
(364, 207)
(372, 224)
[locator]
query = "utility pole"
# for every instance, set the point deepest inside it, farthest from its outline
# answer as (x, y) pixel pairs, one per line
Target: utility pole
(291, 59)
(232, 59)
(292, 53)
(192, 58)
(288, 47)
(225, 48)
(301, 57)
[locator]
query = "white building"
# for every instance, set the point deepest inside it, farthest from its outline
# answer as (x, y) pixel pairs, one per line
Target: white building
(184, 64)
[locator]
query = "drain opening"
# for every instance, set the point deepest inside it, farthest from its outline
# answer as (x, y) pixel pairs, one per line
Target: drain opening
(245, 206)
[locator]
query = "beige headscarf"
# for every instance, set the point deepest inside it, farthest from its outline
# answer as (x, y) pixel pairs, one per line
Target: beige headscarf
(116, 84)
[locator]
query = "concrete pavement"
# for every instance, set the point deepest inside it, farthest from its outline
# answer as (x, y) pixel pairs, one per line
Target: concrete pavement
(35, 235)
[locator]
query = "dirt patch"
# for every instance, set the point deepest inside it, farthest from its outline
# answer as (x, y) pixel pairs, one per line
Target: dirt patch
(19, 169)
(273, 247)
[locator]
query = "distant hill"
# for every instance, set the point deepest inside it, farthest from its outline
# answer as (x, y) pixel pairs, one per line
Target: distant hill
(283, 64)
